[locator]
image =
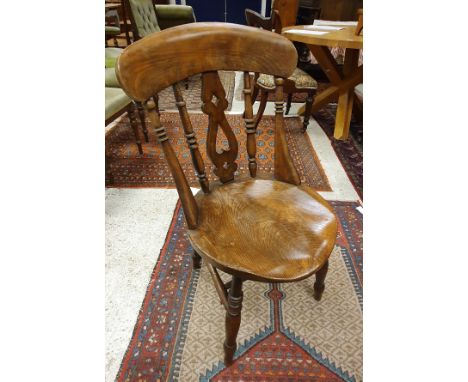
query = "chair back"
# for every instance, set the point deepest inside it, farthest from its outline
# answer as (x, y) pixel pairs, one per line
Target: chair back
(287, 9)
(256, 20)
(162, 59)
(143, 17)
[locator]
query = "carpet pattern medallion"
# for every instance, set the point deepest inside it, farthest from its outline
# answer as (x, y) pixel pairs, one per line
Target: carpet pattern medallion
(193, 93)
(285, 335)
(126, 168)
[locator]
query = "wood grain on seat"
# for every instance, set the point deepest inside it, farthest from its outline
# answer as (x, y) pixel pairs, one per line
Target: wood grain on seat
(264, 230)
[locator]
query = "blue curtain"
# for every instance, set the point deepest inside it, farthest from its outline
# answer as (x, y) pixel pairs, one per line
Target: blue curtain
(214, 10)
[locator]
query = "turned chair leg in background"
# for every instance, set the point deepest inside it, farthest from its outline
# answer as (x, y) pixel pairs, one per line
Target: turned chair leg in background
(196, 258)
(288, 103)
(308, 110)
(134, 124)
(261, 108)
(233, 319)
(319, 285)
(141, 113)
(156, 103)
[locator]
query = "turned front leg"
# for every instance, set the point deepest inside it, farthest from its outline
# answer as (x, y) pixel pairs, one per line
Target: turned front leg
(319, 285)
(233, 319)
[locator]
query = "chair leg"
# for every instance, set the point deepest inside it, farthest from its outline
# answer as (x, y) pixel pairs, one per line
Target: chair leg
(288, 103)
(233, 319)
(308, 110)
(141, 113)
(319, 285)
(196, 258)
(134, 124)
(156, 103)
(261, 108)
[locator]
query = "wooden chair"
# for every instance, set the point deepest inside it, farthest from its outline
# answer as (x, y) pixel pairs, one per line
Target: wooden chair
(117, 103)
(298, 82)
(112, 26)
(267, 230)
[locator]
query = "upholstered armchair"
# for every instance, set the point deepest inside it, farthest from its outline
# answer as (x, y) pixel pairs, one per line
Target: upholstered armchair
(114, 97)
(147, 18)
(173, 15)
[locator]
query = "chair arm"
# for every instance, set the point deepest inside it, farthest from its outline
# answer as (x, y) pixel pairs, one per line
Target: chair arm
(173, 15)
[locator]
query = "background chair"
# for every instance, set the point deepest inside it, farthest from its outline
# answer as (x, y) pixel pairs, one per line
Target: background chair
(298, 82)
(112, 25)
(267, 230)
(144, 19)
(117, 103)
(112, 82)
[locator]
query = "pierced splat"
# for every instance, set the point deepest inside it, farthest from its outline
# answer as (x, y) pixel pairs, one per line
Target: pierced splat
(223, 160)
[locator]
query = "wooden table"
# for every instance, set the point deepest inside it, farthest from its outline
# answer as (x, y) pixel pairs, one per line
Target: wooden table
(342, 82)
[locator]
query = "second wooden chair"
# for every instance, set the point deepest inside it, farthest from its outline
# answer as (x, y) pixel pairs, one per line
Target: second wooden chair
(298, 82)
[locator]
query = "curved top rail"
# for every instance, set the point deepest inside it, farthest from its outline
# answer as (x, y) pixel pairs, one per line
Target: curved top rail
(164, 58)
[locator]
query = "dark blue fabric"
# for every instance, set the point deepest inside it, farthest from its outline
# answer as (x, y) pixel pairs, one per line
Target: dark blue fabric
(213, 10)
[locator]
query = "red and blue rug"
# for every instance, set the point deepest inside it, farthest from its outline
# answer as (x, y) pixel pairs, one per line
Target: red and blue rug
(285, 334)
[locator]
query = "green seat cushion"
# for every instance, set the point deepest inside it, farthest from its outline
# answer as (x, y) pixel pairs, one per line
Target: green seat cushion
(112, 31)
(111, 56)
(111, 78)
(116, 100)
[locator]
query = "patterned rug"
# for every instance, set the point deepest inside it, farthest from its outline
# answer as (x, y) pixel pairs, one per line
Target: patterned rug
(285, 335)
(126, 168)
(349, 152)
(193, 93)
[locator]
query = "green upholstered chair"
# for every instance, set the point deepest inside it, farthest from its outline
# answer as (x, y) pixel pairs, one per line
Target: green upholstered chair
(173, 15)
(111, 56)
(143, 18)
(146, 18)
(112, 29)
(112, 82)
(117, 103)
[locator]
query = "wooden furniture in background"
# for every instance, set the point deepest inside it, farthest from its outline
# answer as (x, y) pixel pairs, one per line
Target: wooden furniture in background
(118, 7)
(340, 9)
(342, 83)
(118, 103)
(253, 229)
(298, 82)
(287, 10)
(360, 23)
(112, 22)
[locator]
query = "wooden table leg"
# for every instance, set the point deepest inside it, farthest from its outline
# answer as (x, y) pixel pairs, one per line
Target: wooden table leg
(345, 100)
